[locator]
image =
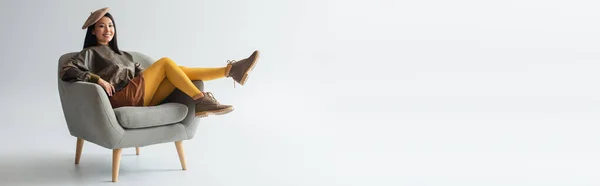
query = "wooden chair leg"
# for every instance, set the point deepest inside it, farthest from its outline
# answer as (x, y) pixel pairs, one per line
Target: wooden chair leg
(137, 151)
(179, 147)
(78, 150)
(116, 162)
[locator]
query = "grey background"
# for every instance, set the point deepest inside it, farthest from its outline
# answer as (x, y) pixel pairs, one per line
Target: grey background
(346, 92)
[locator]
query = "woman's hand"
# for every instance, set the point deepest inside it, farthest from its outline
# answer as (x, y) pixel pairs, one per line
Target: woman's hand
(109, 88)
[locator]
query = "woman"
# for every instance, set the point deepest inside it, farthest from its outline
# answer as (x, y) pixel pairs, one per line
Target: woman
(128, 84)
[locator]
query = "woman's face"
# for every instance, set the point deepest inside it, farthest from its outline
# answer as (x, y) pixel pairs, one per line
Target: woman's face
(104, 30)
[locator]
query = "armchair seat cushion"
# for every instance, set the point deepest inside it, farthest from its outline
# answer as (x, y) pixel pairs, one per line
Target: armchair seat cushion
(151, 116)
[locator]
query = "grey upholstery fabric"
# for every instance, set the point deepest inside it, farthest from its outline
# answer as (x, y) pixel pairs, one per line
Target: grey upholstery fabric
(151, 116)
(89, 115)
(144, 59)
(153, 135)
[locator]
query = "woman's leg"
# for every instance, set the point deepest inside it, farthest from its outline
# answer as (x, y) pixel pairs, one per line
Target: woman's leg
(167, 69)
(205, 106)
(164, 90)
(238, 70)
(205, 74)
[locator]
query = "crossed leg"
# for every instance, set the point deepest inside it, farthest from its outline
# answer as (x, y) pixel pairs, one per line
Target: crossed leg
(157, 88)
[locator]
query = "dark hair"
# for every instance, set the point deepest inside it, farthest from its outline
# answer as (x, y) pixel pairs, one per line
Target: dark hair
(91, 40)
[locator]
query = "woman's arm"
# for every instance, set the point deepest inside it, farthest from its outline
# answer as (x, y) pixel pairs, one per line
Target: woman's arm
(76, 69)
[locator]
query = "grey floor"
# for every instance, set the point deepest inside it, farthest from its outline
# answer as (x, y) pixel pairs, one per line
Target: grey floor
(348, 146)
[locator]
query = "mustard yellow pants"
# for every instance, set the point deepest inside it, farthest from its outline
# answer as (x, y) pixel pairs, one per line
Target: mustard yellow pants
(163, 76)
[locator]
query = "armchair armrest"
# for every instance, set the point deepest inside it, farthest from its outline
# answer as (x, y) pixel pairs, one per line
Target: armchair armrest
(89, 114)
(190, 122)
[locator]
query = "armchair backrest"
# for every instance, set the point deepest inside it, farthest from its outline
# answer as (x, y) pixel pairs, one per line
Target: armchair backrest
(144, 59)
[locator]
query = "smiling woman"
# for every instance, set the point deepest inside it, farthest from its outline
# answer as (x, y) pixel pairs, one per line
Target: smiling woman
(127, 83)
(103, 30)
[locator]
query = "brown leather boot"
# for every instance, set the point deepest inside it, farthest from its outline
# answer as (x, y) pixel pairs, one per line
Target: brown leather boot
(238, 70)
(208, 105)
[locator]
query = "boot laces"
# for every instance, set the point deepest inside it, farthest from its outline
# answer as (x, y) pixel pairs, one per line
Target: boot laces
(231, 62)
(210, 96)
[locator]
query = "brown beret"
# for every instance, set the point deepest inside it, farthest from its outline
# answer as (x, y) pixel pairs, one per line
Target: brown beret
(94, 17)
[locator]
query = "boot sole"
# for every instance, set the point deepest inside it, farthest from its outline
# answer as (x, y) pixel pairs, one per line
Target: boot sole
(245, 77)
(214, 112)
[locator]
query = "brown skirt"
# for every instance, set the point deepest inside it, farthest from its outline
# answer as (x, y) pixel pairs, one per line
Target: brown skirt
(131, 95)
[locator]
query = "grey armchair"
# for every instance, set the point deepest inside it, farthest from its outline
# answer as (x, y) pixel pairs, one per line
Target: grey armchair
(90, 117)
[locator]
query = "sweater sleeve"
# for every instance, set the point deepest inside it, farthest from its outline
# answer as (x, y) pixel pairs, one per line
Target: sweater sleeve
(75, 69)
(138, 68)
